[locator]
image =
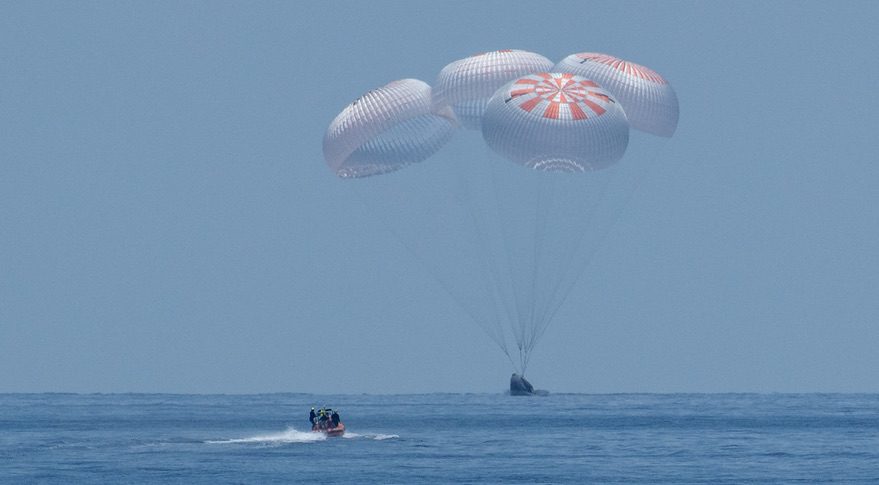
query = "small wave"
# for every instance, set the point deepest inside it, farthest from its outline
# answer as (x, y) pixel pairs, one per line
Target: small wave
(371, 436)
(291, 435)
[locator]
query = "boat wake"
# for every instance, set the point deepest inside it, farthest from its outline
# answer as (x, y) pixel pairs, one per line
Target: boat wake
(292, 435)
(370, 436)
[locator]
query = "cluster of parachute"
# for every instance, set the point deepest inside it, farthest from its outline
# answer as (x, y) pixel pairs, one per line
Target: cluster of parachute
(571, 116)
(568, 117)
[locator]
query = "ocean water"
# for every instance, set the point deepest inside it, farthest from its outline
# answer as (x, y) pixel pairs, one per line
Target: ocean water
(441, 438)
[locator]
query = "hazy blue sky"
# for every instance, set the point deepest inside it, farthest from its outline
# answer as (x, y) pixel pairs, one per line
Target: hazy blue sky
(167, 222)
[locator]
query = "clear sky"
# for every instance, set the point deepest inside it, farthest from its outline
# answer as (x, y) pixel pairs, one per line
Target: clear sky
(167, 222)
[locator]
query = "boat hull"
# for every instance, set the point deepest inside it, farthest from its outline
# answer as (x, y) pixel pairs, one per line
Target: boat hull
(337, 431)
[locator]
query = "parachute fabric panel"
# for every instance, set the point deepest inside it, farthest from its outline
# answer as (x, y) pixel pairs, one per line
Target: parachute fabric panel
(648, 99)
(385, 130)
(556, 122)
(467, 84)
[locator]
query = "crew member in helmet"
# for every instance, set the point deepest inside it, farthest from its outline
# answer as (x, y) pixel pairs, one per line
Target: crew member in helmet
(312, 416)
(335, 418)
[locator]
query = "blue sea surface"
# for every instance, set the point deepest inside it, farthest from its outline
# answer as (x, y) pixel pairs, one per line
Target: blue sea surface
(440, 438)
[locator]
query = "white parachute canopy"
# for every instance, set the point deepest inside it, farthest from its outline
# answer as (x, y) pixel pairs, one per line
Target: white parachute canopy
(467, 84)
(648, 99)
(386, 129)
(556, 122)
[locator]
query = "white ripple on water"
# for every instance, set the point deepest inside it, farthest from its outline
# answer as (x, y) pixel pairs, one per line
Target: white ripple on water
(292, 435)
(371, 436)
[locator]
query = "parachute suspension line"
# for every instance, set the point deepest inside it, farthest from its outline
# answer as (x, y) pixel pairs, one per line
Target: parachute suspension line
(554, 256)
(495, 261)
(509, 358)
(571, 259)
(539, 232)
(430, 270)
(627, 198)
(524, 241)
(515, 320)
(492, 280)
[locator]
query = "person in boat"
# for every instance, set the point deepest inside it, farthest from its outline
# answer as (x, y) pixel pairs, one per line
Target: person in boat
(329, 417)
(334, 418)
(312, 416)
(322, 419)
